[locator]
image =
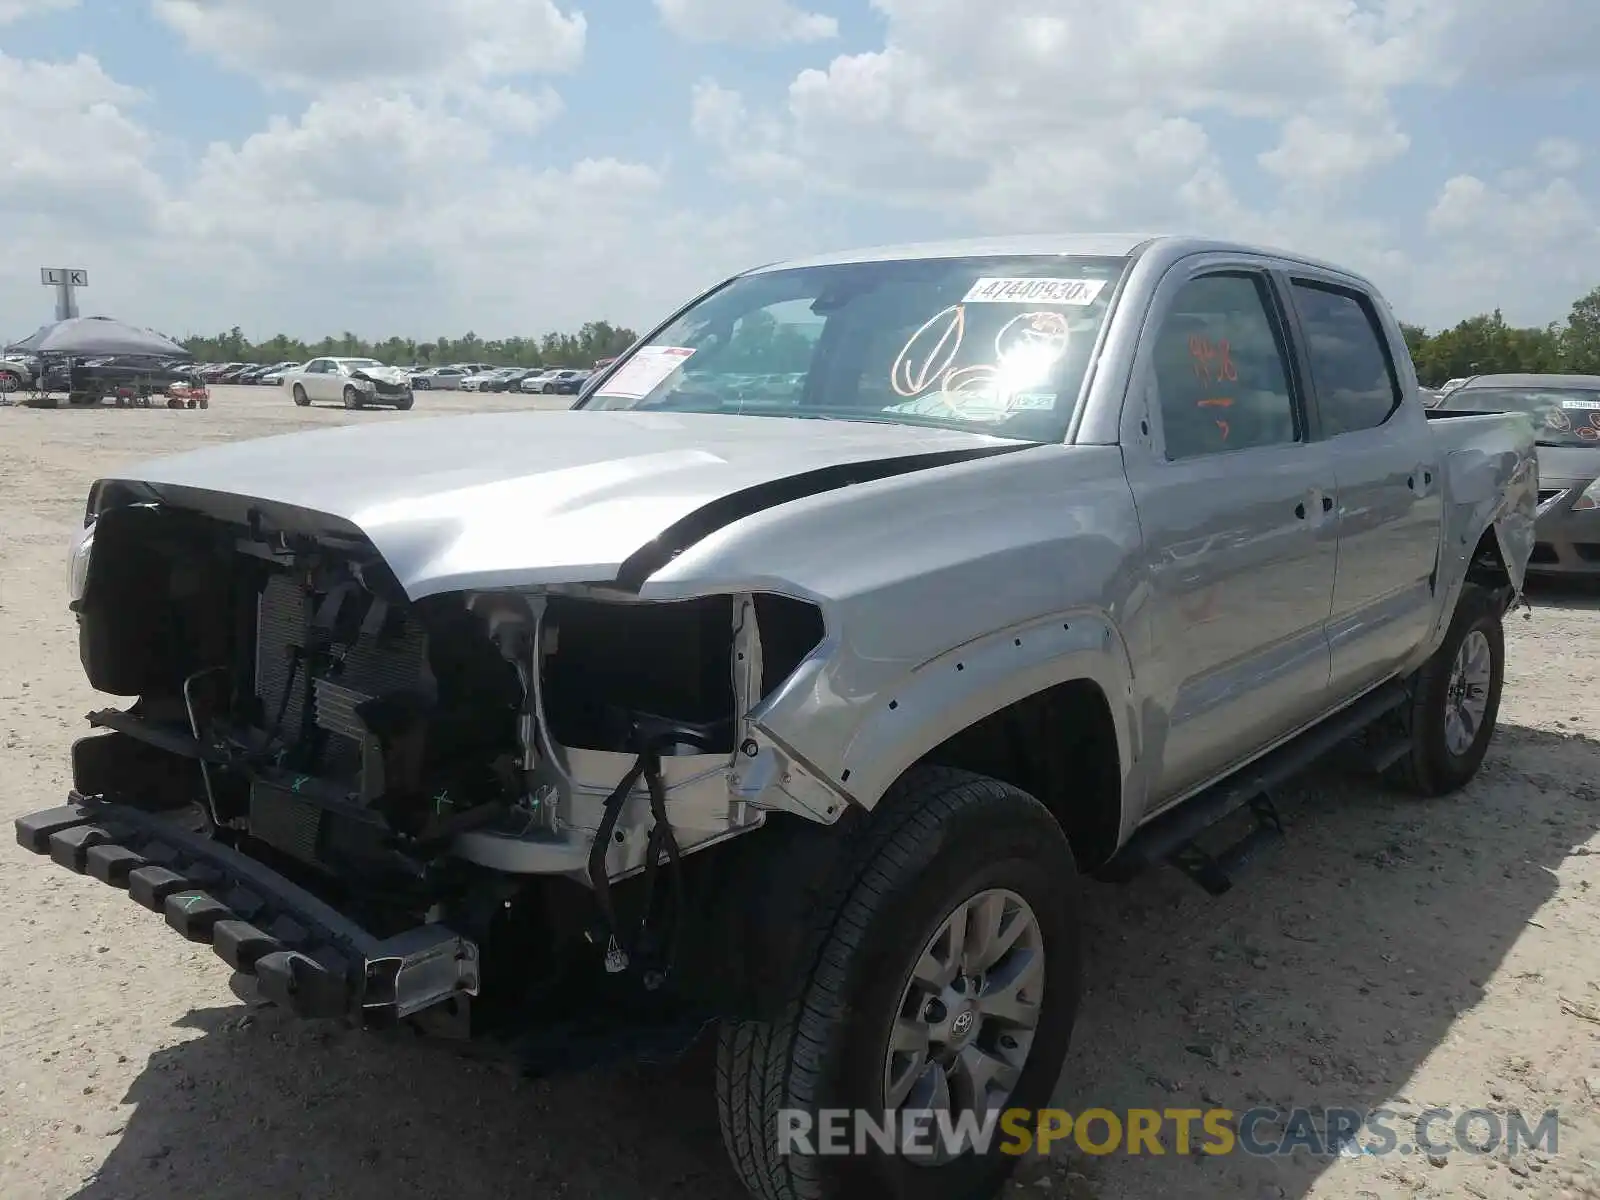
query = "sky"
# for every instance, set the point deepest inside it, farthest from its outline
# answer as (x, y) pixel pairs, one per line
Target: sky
(430, 167)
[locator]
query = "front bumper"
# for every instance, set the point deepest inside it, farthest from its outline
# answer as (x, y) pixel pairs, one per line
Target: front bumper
(303, 955)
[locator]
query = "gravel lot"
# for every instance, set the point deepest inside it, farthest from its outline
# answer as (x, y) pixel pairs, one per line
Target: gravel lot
(1392, 952)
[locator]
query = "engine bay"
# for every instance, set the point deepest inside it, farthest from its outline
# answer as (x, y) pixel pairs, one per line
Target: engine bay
(357, 740)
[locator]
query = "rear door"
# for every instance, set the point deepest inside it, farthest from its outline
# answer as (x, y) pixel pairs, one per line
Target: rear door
(1390, 510)
(1234, 502)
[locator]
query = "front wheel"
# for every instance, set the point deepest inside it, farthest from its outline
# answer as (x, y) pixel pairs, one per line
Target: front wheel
(403, 404)
(946, 980)
(300, 396)
(352, 398)
(1455, 699)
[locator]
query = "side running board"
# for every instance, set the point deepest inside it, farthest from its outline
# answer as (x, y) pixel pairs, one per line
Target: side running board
(1171, 836)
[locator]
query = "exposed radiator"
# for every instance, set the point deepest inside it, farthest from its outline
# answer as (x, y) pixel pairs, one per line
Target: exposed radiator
(370, 666)
(283, 820)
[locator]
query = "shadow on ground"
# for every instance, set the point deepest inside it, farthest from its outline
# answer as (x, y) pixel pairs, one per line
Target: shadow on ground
(1324, 978)
(1559, 592)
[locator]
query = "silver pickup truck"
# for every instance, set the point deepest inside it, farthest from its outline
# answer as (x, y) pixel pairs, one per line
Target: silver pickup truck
(798, 710)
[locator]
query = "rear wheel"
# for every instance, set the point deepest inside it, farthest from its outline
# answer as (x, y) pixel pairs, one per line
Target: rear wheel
(946, 977)
(1456, 699)
(300, 396)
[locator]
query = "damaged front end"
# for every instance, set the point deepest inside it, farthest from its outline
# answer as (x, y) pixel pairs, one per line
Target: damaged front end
(388, 386)
(470, 809)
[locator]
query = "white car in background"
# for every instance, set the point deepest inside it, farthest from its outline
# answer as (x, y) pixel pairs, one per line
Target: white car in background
(274, 377)
(356, 382)
(437, 379)
(566, 381)
(480, 381)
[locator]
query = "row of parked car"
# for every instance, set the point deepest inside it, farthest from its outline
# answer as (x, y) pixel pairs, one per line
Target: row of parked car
(464, 377)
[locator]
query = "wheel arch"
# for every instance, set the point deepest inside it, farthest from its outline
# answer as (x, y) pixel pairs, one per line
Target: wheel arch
(1046, 708)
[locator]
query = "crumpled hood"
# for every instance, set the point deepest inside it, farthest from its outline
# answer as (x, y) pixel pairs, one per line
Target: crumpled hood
(519, 499)
(382, 374)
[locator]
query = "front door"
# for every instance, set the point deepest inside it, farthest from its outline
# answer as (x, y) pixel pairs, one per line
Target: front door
(1235, 505)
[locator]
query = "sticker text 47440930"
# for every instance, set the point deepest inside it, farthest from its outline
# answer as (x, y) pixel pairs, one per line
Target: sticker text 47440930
(1039, 290)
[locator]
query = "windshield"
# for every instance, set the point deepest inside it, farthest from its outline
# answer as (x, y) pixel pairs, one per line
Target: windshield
(1562, 416)
(992, 345)
(362, 364)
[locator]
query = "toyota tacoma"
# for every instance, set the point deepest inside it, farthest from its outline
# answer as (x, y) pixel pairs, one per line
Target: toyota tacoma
(797, 712)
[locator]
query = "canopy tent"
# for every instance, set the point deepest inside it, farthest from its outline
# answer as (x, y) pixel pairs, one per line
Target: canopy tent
(85, 337)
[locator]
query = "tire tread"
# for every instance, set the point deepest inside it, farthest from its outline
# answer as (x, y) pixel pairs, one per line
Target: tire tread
(765, 1066)
(1417, 772)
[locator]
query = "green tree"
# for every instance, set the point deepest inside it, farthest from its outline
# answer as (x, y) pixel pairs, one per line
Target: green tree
(1580, 341)
(595, 340)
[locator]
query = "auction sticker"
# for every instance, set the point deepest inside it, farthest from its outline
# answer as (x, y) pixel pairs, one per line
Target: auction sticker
(1581, 405)
(1039, 290)
(645, 372)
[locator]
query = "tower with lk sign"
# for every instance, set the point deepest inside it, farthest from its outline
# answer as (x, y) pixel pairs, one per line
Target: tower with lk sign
(66, 281)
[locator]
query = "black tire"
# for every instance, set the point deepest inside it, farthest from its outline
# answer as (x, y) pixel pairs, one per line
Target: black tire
(937, 839)
(403, 404)
(352, 398)
(547, 389)
(1431, 767)
(300, 396)
(421, 385)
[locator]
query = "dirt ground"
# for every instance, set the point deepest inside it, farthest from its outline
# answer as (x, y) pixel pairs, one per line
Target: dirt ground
(1391, 952)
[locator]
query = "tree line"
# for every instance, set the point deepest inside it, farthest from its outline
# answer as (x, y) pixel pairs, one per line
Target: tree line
(1481, 345)
(1487, 345)
(595, 340)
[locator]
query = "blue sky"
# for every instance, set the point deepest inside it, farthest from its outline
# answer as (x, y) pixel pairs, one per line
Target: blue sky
(429, 166)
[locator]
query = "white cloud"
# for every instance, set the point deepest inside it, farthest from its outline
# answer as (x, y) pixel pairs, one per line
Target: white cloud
(308, 43)
(352, 215)
(1018, 119)
(749, 143)
(1558, 154)
(72, 149)
(1518, 249)
(350, 211)
(981, 116)
(16, 10)
(751, 22)
(1009, 115)
(1319, 154)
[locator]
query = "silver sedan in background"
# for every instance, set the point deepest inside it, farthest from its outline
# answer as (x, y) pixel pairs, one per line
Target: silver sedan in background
(1566, 415)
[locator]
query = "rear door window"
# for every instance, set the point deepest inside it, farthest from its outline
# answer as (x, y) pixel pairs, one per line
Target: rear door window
(1356, 382)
